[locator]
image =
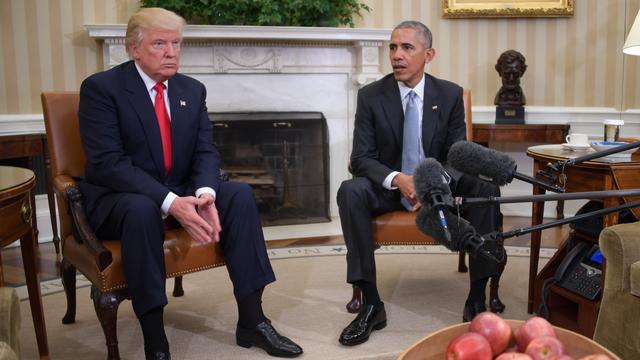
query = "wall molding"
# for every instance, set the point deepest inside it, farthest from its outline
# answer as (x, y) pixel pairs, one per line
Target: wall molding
(575, 116)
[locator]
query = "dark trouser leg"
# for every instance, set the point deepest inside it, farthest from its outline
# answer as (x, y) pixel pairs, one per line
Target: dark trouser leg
(136, 220)
(242, 240)
(358, 201)
(485, 219)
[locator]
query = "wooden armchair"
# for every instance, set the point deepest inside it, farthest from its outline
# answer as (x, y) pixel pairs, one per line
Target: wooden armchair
(99, 260)
(399, 228)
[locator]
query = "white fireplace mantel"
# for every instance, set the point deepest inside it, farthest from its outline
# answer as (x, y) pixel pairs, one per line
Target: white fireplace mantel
(366, 44)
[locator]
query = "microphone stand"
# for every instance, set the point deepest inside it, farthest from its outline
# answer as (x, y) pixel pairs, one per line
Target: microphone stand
(527, 230)
(534, 181)
(584, 195)
(559, 165)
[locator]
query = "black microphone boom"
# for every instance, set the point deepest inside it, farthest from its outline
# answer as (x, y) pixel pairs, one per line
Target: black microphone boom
(463, 236)
(430, 181)
(489, 165)
(432, 189)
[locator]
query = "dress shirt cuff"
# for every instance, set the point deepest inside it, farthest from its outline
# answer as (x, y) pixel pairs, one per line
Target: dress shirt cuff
(387, 181)
(206, 190)
(166, 204)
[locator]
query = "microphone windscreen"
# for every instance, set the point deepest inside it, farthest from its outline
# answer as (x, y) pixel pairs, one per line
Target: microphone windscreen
(428, 222)
(428, 179)
(477, 160)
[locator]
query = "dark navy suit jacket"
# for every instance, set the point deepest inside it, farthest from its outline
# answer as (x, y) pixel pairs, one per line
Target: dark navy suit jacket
(378, 132)
(122, 143)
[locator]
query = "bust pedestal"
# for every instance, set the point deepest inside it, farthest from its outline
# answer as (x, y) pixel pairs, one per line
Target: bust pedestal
(509, 114)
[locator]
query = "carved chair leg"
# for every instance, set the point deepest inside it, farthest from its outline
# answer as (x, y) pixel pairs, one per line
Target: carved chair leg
(106, 306)
(462, 265)
(177, 287)
(495, 304)
(355, 304)
(68, 276)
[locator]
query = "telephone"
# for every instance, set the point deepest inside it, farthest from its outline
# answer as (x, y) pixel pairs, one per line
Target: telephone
(581, 270)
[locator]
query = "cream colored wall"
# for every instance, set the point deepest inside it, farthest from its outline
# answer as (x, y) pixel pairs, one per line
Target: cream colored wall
(573, 61)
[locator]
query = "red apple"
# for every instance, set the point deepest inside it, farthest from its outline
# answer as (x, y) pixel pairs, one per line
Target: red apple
(545, 348)
(469, 346)
(563, 357)
(494, 329)
(513, 356)
(596, 357)
(531, 329)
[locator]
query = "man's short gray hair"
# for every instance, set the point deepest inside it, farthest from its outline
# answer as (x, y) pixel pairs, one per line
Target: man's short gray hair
(421, 28)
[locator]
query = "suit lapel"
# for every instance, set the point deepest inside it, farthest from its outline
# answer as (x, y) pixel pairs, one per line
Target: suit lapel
(178, 104)
(392, 105)
(138, 95)
(430, 114)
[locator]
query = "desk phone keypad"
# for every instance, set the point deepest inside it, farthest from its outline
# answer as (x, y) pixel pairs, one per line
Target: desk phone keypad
(584, 280)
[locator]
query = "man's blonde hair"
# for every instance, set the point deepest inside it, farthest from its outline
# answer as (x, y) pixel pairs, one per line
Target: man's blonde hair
(151, 18)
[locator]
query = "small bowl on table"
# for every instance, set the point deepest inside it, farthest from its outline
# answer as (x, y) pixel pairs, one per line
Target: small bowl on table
(434, 345)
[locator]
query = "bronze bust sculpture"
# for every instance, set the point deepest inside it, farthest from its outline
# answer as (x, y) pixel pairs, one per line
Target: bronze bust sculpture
(511, 66)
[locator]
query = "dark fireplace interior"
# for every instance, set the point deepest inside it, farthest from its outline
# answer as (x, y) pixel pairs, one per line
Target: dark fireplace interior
(283, 156)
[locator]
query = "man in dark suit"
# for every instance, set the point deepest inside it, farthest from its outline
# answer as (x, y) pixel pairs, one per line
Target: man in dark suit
(148, 142)
(386, 148)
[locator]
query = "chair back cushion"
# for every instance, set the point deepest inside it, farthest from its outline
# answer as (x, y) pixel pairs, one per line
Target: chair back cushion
(63, 133)
(60, 111)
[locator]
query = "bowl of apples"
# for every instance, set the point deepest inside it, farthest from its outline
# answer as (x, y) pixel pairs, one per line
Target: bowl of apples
(489, 336)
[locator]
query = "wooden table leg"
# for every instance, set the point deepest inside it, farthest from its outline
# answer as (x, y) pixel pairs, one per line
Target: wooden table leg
(28, 248)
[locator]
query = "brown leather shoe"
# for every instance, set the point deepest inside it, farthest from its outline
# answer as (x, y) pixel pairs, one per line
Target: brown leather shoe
(267, 338)
(370, 318)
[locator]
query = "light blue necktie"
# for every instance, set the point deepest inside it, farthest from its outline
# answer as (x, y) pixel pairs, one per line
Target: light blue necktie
(410, 139)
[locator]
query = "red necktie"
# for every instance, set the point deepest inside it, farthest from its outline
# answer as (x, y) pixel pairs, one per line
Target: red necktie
(164, 124)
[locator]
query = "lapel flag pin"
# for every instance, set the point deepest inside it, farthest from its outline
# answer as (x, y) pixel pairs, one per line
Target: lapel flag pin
(183, 103)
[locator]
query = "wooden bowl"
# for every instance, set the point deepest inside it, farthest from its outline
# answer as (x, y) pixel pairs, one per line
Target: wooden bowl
(434, 346)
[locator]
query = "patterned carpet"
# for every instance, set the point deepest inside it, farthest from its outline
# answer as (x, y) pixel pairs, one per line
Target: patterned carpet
(421, 288)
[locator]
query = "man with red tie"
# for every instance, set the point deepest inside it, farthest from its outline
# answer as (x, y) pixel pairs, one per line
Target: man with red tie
(150, 157)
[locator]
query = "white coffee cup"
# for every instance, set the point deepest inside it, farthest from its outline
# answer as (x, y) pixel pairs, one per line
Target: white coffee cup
(577, 139)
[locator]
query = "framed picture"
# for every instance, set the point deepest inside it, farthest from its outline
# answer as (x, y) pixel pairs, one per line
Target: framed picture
(455, 9)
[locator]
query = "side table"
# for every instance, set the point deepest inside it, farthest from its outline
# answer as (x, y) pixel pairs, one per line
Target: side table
(23, 146)
(16, 222)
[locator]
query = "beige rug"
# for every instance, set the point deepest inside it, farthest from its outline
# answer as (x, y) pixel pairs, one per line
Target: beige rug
(422, 293)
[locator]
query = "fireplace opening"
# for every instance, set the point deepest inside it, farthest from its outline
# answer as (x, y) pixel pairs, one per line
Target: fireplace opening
(283, 156)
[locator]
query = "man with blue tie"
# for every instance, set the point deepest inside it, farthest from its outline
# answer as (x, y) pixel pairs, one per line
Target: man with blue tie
(150, 156)
(401, 119)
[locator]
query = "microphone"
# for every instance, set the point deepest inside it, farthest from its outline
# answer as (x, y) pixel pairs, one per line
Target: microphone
(489, 165)
(463, 236)
(432, 188)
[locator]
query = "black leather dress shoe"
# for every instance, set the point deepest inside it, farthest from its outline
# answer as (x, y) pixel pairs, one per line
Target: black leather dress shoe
(159, 356)
(267, 338)
(471, 310)
(369, 318)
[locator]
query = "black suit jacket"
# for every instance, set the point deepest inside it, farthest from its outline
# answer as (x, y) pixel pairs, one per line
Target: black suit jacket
(122, 143)
(378, 132)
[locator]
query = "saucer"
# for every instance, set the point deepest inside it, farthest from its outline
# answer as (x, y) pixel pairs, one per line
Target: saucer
(576, 147)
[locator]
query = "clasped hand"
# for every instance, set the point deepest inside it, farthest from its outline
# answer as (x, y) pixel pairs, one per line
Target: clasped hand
(405, 184)
(198, 216)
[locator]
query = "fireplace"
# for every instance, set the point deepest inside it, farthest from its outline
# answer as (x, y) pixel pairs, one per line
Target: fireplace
(283, 156)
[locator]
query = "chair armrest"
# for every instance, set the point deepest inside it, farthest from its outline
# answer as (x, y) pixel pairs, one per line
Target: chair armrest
(82, 232)
(620, 245)
(635, 278)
